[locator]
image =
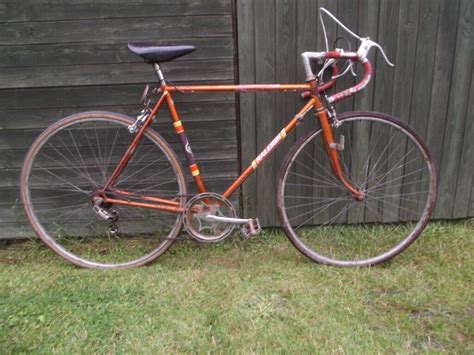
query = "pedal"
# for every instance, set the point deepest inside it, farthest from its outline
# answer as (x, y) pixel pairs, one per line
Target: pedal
(251, 228)
(338, 146)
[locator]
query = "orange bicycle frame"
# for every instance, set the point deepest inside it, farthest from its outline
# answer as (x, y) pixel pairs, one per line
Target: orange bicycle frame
(309, 89)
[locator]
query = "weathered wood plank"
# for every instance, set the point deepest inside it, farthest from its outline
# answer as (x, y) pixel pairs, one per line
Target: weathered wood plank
(457, 108)
(110, 74)
(405, 59)
(384, 81)
(215, 181)
(209, 168)
(306, 40)
(306, 32)
(265, 107)
(19, 230)
(115, 30)
(463, 198)
(246, 45)
(368, 21)
(105, 53)
(446, 41)
(368, 26)
(13, 159)
(90, 96)
(331, 26)
(12, 211)
(422, 83)
(286, 62)
(348, 14)
(196, 132)
(387, 37)
(41, 10)
(471, 204)
(188, 111)
(318, 152)
(424, 65)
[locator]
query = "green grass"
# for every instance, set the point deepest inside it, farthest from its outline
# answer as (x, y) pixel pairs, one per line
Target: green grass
(257, 296)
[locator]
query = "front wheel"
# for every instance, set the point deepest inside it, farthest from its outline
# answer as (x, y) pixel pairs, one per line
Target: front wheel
(66, 166)
(383, 158)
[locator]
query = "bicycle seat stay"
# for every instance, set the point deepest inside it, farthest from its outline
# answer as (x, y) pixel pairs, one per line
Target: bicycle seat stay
(153, 53)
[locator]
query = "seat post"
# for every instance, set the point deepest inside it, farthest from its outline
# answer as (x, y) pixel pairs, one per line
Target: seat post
(159, 74)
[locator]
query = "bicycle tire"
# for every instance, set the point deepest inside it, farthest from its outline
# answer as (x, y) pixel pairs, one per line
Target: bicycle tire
(396, 207)
(73, 157)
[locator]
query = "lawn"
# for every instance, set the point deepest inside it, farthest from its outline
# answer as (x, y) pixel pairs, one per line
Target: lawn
(257, 295)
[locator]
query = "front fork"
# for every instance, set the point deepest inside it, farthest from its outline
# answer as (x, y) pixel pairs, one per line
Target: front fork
(331, 147)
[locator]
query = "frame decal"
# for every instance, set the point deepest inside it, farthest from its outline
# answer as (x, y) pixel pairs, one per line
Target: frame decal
(194, 170)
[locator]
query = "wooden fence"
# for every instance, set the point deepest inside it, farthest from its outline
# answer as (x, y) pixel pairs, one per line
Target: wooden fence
(431, 86)
(58, 57)
(61, 57)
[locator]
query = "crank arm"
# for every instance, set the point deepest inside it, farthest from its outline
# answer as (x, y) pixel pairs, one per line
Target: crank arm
(212, 218)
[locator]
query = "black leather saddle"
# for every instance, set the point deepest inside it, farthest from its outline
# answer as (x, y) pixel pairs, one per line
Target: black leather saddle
(158, 54)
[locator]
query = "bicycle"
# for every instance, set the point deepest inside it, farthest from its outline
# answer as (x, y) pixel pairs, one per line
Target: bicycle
(104, 190)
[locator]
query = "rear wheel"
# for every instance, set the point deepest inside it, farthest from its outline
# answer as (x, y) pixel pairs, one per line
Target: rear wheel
(70, 161)
(383, 158)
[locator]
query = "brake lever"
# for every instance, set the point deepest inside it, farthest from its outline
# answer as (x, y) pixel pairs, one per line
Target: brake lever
(365, 47)
(348, 67)
(379, 47)
(326, 65)
(354, 74)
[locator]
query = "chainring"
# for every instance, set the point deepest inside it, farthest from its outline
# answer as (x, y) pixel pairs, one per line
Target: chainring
(201, 205)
